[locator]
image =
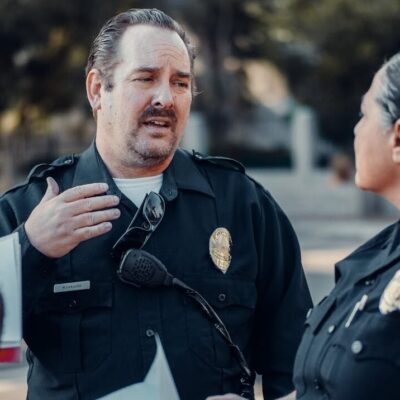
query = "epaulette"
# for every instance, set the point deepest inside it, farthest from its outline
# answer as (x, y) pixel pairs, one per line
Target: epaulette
(40, 170)
(221, 161)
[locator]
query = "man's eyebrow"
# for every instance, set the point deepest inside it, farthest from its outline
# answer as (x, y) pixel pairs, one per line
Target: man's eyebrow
(145, 69)
(180, 74)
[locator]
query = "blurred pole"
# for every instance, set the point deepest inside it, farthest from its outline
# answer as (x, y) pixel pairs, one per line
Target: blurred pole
(7, 165)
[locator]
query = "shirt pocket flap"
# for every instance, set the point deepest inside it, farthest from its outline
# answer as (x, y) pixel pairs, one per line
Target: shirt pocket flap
(224, 293)
(379, 339)
(99, 295)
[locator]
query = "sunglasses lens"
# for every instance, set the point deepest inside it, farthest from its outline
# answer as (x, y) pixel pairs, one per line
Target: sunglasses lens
(136, 237)
(154, 208)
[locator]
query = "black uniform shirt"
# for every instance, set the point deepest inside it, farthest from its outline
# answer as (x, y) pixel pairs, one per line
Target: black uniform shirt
(85, 344)
(354, 355)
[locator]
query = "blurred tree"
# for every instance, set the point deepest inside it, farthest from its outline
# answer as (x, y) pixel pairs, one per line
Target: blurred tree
(327, 48)
(330, 50)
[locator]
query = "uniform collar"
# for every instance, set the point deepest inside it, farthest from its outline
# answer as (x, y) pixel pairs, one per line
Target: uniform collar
(181, 174)
(379, 252)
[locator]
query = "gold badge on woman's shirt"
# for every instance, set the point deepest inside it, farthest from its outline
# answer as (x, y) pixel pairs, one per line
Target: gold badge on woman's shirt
(220, 249)
(390, 299)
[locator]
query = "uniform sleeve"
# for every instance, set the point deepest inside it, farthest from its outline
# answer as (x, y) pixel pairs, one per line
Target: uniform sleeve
(283, 300)
(36, 271)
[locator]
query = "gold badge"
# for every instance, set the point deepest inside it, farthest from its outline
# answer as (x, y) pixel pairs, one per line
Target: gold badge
(390, 299)
(220, 248)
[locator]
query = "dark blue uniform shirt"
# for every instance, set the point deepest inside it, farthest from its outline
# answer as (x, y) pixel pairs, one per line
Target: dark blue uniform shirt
(354, 355)
(85, 344)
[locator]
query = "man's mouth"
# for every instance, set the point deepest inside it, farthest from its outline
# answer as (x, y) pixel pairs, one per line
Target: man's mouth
(158, 122)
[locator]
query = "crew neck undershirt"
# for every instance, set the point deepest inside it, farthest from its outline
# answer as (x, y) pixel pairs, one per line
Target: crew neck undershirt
(135, 189)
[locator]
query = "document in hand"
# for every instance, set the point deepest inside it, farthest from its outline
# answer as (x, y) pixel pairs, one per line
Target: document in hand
(157, 385)
(11, 292)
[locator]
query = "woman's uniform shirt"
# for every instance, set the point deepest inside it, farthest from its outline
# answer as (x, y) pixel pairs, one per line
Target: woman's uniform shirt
(351, 349)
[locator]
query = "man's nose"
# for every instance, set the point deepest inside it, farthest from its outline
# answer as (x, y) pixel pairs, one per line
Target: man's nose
(163, 97)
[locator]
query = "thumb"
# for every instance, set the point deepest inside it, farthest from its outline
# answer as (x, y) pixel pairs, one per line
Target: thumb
(52, 189)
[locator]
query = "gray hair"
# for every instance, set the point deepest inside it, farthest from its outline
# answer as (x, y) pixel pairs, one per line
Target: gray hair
(103, 52)
(388, 96)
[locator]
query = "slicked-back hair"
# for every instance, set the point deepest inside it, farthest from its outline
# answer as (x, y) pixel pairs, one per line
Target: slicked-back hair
(103, 53)
(388, 96)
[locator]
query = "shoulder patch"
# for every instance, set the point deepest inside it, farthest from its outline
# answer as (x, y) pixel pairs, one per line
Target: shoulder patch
(221, 161)
(39, 170)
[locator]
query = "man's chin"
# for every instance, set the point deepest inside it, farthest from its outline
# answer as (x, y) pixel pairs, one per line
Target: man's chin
(153, 155)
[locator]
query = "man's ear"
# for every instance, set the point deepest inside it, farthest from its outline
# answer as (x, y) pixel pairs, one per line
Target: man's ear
(93, 89)
(396, 142)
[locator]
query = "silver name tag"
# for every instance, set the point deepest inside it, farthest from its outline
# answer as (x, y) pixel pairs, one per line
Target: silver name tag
(71, 286)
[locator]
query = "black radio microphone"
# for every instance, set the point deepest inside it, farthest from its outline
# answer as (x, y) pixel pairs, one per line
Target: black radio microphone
(141, 269)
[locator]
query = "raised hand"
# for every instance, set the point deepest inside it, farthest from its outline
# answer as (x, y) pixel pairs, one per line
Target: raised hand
(62, 220)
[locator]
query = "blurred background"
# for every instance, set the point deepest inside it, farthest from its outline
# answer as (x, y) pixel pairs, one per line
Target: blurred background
(280, 84)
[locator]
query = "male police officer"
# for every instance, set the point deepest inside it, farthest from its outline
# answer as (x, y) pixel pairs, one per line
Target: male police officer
(89, 333)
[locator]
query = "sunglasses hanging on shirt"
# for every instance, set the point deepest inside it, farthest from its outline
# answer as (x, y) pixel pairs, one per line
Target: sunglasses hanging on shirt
(143, 224)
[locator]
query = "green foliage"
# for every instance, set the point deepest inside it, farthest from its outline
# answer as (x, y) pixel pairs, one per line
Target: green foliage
(329, 49)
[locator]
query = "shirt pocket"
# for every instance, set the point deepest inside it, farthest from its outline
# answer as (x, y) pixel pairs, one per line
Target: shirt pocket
(71, 331)
(379, 340)
(234, 301)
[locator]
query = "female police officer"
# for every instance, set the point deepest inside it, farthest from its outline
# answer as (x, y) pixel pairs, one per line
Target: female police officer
(351, 346)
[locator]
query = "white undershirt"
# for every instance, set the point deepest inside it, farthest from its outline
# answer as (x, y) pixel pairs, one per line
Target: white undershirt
(136, 189)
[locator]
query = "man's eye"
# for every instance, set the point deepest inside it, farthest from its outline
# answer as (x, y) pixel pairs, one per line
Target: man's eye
(143, 79)
(181, 84)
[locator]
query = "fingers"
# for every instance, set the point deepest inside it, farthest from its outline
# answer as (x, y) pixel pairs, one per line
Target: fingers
(83, 191)
(92, 204)
(94, 218)
(89, 232)
(52, 189)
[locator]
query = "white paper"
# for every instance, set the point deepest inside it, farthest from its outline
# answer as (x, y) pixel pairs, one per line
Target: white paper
(157, 385)
(11, 290)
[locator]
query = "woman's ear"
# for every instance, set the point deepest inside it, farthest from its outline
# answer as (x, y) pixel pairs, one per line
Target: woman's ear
(93, 90)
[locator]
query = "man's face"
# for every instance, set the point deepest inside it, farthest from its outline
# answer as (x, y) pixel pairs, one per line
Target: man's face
(141, 120)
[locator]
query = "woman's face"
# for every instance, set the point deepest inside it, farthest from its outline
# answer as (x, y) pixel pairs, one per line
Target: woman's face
(375, 169)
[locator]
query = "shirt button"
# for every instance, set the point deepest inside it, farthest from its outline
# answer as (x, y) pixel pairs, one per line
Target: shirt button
(68, 161)
(222, 297)
(331, 328)
(72, 304)
(146, 225)
(356, 347)
(317, 385)
(44, 273)
(368, 282)
(149, 333)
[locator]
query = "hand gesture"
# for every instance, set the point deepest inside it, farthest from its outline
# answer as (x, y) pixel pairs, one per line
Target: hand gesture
(62, 220)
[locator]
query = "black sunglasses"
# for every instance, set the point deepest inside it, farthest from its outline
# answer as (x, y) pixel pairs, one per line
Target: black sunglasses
(143, 224)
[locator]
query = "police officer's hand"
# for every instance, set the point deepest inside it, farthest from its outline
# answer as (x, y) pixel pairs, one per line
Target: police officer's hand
(62, 220)
(228, 396)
